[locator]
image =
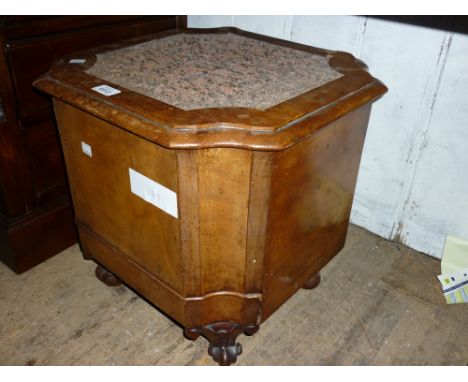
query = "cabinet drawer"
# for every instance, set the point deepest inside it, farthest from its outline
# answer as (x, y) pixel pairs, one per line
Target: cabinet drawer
(28, 59)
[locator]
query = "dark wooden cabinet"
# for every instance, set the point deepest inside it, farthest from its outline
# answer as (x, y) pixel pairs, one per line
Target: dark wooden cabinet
(36, 219)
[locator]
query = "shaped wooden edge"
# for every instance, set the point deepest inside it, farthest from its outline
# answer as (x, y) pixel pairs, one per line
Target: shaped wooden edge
(189, 311)
(272, 129)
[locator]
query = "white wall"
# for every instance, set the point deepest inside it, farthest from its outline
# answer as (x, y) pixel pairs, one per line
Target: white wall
(413, 180)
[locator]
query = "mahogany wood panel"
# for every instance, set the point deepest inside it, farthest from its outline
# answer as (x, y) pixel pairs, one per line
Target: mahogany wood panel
(103, 200)
(147, 236)
(312, 191)
(189, 221)
(160, 294)
(259, 200)
(45, 161)
(223, 187)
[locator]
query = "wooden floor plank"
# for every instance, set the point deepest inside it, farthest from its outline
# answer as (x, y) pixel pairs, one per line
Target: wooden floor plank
(378, 304)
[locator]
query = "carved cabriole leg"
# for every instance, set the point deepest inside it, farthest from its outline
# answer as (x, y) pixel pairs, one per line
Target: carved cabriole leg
(222, 336)
(313, 282)
(106, 277)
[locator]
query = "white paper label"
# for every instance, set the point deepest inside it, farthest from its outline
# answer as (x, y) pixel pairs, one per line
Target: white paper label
(106, 90)
(153, 192)
(77, 61)
(86, 149)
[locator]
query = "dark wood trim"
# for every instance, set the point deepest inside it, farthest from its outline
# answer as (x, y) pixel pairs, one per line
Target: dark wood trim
(182, 22)
(30, 27)
(26, 241)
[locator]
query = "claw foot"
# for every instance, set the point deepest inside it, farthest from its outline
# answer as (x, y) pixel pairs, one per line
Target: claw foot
(222, 336)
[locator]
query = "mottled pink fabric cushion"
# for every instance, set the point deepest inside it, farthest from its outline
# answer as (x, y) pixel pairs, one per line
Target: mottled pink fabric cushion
(194, 71)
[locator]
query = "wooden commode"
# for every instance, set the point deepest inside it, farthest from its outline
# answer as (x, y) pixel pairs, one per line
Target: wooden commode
(213, 171)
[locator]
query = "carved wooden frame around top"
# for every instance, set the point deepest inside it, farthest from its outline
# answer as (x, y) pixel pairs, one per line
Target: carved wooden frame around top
(272, 129)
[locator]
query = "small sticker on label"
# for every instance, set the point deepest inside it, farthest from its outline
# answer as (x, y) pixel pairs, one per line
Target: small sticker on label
(106, 90)
(77, 61)
(86, 149)
(153, 192)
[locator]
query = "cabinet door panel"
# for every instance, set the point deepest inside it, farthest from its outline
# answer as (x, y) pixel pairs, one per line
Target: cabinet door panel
(45, 161)
(30, 58)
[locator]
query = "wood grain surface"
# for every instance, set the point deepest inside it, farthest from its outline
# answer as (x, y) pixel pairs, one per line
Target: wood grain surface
(264, 196)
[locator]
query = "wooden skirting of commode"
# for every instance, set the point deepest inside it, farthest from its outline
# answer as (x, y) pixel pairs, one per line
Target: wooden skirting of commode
(217, 215)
